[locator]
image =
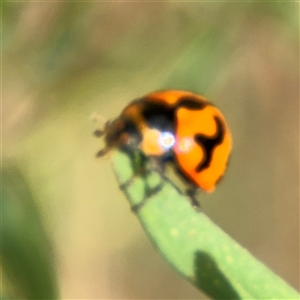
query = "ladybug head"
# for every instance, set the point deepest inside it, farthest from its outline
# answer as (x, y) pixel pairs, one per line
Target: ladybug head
(121, 133)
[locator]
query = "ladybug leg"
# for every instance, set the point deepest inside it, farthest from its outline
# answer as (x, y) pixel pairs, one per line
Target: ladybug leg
(148, 193)
(154, 164)
(159, 165)
(100, 132)
(138, 165)
(191, 193)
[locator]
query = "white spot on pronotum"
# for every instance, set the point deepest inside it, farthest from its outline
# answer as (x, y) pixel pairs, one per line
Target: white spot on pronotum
(166, 140)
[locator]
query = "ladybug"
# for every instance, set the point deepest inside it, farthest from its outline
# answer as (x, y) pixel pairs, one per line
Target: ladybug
(177, 127)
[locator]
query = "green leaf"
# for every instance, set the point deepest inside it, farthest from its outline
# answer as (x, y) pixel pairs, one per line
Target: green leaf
(27, 259)
(194, 245)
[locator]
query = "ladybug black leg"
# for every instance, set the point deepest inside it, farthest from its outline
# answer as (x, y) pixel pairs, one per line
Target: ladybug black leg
(149, 193)
(154, 164)
(143, 167)
(123, 186)
(191, 193)
(157, 164)
(138, 165)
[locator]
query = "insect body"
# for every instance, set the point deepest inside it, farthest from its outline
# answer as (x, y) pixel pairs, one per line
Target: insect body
(178, 127)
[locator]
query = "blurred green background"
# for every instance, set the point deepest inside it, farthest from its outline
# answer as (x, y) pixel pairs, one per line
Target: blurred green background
(66, 228)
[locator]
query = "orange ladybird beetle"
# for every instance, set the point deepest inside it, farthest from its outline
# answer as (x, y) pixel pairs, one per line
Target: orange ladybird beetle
(178, 127)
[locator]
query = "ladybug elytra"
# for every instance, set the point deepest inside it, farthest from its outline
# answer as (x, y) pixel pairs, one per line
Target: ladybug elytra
(177, 127)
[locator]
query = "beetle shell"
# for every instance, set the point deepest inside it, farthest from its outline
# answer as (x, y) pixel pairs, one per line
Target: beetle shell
(178, 127)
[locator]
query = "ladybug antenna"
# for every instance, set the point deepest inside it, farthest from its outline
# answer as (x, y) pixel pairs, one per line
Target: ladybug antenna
(99, 133)
(102, 152)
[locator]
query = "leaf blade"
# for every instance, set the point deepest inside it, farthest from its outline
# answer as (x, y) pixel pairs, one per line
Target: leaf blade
(195, 246)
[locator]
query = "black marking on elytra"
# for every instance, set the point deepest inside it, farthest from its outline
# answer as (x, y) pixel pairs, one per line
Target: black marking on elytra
(161, 115)
(190, 103)
(158, 115)
(209, 144)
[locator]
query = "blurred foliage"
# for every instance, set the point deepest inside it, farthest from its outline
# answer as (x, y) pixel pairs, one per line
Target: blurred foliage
(26, 253)
(63, 61)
